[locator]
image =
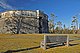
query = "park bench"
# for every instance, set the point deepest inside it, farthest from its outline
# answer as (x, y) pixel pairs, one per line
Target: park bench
(54, 39)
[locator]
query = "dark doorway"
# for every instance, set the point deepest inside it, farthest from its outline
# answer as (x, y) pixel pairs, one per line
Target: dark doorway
(40, 24)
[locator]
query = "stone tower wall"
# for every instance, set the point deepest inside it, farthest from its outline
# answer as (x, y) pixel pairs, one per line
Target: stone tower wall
(20, 21)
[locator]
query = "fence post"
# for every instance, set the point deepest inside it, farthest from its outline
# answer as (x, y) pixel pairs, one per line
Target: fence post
(67, 40)
(44, 42)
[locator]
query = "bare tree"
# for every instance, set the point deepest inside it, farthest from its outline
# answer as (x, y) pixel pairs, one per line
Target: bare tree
(59, 25)
(75, 22)
(51, 23)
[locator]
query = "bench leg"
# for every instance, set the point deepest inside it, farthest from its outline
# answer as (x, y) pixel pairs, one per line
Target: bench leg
(67, 40)
(44, 42)
(42, 45)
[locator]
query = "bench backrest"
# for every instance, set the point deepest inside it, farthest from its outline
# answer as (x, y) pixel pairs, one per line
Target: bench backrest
(52, 39)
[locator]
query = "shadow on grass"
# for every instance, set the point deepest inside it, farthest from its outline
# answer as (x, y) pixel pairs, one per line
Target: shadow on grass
(55, 45)
(73, 44)
(11, 51)
(50, 46)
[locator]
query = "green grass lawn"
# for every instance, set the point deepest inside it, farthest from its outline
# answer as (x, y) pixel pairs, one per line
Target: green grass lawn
(29, 43)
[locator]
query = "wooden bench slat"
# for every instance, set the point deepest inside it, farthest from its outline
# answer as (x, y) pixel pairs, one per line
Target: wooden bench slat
(54, 40)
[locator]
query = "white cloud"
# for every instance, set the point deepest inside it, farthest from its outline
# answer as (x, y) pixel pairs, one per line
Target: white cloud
(3, 4)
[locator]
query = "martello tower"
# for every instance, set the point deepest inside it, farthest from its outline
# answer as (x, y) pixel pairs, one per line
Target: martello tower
(23, 21)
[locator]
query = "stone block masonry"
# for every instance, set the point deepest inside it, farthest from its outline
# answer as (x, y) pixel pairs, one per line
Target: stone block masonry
(23, 22)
